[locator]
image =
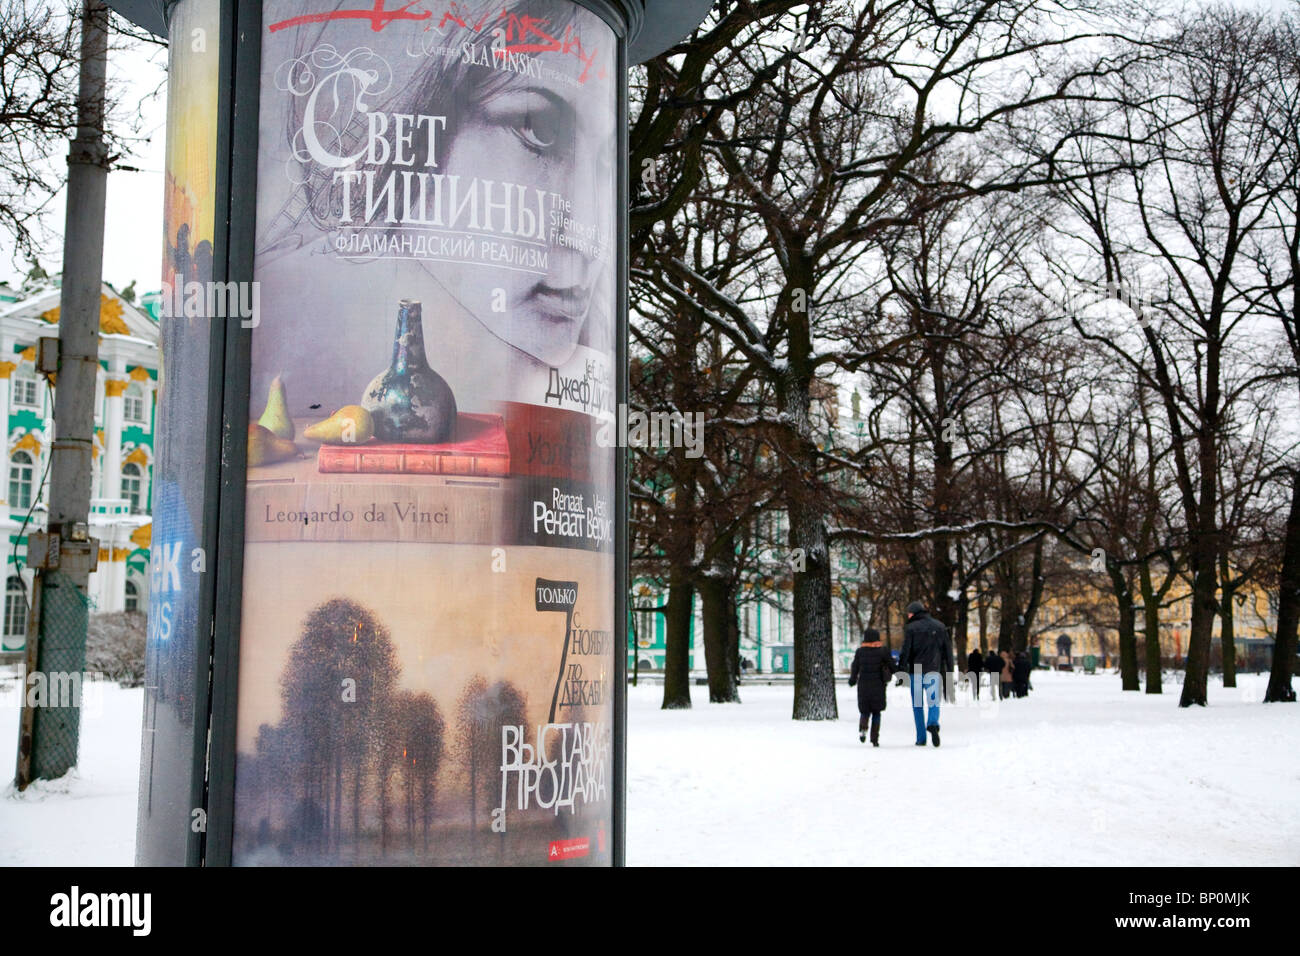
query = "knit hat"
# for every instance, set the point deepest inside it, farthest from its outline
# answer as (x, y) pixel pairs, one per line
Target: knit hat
(915, 608)
(870, 636)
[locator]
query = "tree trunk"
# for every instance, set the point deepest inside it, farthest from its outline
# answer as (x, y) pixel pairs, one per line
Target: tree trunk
(1025, 621)
(1151, 621)
(383, 811)
(1205, 540)
(337, 827)
(1128, 661)
(677, 640)
(1288, 606)
(983, 608)
(814, 656)
(357, 779)
(1226, 639)
(1007, 615)
(1227, 635)
(962, 638)
(814, 660)
(1205, 608)
(714, 609)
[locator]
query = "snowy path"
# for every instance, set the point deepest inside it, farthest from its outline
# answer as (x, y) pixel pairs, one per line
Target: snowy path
(1079, 773)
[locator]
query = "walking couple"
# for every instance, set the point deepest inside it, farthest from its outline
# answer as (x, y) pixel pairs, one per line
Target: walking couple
(926, 655)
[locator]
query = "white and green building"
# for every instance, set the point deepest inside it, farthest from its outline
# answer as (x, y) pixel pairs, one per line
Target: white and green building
(123, 450)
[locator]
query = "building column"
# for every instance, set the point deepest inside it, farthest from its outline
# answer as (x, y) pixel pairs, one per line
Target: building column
(114, 388)
(47, 433)
(117, 599)
(7, 368)
(97, 460)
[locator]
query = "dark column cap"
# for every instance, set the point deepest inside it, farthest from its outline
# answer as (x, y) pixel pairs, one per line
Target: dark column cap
(150, 14)
(656, 24)
(663, 24)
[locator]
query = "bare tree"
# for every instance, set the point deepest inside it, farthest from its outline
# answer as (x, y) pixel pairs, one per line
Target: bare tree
(480, 714)
(817, 155)
(39, 75)
(1278, 262)
(38, 94)
(1174, 235)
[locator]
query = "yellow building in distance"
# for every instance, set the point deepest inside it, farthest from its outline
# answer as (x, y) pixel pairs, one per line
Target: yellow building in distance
(1088, 614)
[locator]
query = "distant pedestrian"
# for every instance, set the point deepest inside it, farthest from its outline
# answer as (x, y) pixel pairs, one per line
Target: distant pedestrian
(975, 670)
(927, 657)
(993, 667)
(1020, 675)
(1008, 673)
(872, 668)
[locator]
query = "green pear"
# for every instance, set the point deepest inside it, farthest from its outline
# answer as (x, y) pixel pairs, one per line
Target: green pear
(350, 425)
(265, 447)
(276, 417)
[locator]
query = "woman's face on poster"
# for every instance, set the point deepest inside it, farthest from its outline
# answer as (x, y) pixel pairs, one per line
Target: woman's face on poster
(557, 138)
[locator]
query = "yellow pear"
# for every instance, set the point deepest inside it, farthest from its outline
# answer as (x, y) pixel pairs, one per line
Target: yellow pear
(264, 447)
(350, 425)
(276, 417)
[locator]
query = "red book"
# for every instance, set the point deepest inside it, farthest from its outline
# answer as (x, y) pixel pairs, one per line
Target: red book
(480, 448)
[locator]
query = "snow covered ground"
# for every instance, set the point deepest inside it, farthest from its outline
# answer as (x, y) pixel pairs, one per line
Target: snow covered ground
(88, 817)
(1078, 773)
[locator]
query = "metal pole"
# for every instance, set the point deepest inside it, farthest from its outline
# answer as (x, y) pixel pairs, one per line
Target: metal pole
(61, 648)
(23, 774)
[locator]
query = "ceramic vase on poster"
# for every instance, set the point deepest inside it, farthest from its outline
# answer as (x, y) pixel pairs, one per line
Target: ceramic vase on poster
(409, 401)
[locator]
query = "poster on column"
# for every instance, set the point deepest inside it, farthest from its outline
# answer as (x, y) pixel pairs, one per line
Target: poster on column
(178, 632)
(426, 655)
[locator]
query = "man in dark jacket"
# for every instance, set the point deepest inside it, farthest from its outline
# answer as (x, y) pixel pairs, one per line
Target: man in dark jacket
(927, 657)
(975, 670)
(872, 668)
(993, 667)
(1020, 675)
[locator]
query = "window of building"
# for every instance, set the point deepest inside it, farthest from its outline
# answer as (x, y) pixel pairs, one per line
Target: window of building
(133, 404)
(132, 482)
(21, 472)
(26, 391)
(15, 623)
(132, 596)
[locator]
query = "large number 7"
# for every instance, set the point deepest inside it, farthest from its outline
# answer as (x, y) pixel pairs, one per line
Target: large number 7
(558, 596)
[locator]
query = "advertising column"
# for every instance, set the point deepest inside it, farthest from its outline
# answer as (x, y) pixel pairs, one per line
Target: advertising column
(175, 706)
(426, 661)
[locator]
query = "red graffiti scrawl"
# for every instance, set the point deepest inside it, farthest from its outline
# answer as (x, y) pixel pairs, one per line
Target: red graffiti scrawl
(377, 15)
(524, 34)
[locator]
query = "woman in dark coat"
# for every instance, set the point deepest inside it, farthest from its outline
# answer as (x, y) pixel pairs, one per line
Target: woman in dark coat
(872, 668)
(1020, 674)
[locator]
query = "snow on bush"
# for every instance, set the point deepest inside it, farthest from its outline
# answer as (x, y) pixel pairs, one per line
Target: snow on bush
(115, 647)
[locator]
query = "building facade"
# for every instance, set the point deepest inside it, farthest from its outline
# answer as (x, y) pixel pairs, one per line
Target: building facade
(123, 448)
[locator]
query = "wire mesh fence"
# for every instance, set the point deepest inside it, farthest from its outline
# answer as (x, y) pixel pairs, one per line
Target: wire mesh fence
(55, 685)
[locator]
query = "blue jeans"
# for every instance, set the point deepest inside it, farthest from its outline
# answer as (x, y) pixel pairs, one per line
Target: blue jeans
(925, 696)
